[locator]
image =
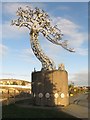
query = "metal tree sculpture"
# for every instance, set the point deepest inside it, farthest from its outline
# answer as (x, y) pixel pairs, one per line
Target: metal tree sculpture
(36, 20)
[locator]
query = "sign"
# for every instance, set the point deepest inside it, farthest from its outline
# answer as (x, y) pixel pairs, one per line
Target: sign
(62, 95)
(47, 95)
(40, 95)
(56, 95)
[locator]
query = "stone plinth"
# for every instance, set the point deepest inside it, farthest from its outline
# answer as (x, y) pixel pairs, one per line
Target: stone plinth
(50, 88)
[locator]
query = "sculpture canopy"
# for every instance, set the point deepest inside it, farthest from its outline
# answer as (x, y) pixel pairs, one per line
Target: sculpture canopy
(36, 20)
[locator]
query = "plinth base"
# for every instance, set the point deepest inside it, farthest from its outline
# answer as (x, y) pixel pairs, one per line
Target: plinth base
(50, 88)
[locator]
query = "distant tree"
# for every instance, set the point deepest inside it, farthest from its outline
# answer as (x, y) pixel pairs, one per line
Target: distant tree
(15, 83)
(71, 86)
(23, 83)
(5, 83)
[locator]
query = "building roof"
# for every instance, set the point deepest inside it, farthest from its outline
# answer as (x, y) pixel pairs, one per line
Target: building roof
(14, 80)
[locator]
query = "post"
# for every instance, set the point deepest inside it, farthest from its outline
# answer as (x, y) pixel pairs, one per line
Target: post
(8, 97)
(14, 96)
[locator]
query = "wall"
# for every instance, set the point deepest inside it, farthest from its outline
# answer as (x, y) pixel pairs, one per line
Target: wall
(53, 83)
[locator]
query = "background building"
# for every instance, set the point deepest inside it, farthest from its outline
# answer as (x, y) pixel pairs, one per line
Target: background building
(14, 88)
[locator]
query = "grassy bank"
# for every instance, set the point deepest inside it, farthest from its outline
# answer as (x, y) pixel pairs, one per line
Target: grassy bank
(12, 111)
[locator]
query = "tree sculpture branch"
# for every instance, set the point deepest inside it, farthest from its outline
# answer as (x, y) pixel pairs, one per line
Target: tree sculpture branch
(36, 20)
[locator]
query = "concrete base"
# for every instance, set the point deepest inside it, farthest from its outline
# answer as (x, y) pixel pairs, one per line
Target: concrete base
(50, 88)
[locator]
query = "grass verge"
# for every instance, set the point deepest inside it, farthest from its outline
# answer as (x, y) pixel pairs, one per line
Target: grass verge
(13, 111)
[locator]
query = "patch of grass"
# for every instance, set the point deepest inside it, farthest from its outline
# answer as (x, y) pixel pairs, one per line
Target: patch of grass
(12, 111)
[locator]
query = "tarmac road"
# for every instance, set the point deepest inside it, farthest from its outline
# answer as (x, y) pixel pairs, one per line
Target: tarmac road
(81, 99)
(79, 106)
(77, 111)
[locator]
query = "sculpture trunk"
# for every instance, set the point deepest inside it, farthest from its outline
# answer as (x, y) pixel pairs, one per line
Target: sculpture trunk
(47, 63)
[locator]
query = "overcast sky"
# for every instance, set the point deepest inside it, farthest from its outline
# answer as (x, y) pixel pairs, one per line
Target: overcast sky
(18, 60)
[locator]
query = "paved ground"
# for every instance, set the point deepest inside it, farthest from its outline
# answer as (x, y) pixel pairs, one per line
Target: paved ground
(38, 112)
(79, 106)
(81, 99)
(72, 109)
(77, 111)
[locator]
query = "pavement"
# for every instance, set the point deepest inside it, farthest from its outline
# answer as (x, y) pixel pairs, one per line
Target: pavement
(81, 99)
(79, 106)
(77, 111)
(72, 109)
